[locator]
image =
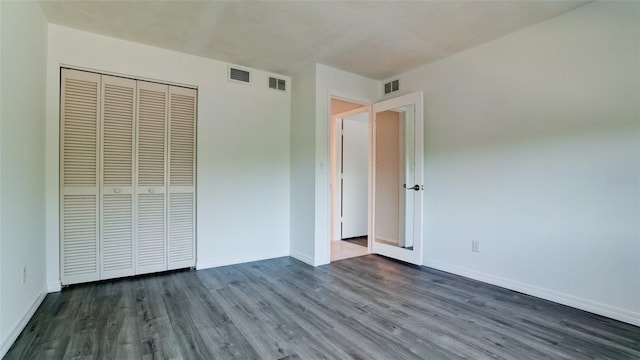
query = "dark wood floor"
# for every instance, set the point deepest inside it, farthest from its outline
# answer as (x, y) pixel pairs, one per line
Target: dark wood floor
(362, 308)
(360, 240)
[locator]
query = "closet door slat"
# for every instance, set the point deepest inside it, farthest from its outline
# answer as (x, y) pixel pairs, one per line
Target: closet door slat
(151, 184)
(79, 175)
(182, 177)
(117, 220)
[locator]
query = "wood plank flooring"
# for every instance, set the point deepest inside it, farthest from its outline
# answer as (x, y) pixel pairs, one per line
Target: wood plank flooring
(368, 307)
(360, 240)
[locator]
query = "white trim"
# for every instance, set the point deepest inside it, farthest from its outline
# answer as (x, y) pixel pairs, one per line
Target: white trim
(322, 261)
(20, 325)
(127, 76)
(54, 287)
(336, 176)
(235, 261)
(300, 256)
(326, 157)
(551, 295)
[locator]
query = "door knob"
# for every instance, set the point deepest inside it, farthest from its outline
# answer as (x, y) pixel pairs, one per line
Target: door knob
(415, 187)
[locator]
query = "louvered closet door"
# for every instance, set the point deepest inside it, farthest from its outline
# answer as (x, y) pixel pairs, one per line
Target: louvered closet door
(182, 175)
(117, 221)
(151, 253)
(79, 171)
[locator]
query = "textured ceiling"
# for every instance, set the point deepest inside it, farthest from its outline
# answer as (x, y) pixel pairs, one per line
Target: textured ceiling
(374, 39)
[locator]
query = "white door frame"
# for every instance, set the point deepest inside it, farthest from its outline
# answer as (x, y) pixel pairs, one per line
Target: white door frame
(366, 103)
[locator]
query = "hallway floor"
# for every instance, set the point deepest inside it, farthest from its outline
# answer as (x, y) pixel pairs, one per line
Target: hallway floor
(341, 250)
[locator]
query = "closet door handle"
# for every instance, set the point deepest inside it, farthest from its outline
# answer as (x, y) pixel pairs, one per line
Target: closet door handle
(151, 190)
(117, 190)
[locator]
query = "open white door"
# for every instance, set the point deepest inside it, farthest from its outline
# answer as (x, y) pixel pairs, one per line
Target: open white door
(355, 172)
(398, 178)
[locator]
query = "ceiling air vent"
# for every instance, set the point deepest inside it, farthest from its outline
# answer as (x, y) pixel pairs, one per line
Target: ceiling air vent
(277, 84)
(391, 86)
(240, 75)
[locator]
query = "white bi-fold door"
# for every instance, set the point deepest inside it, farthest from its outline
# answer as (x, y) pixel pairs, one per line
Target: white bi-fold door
(181, 219)
(117, 246)
(79, 176)
(151, 178)
(127, 177)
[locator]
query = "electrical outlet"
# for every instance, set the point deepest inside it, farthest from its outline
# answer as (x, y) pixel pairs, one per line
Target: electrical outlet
(475, 246)
(24, 275)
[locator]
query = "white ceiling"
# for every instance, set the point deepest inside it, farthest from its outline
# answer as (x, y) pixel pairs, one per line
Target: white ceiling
(374, 39)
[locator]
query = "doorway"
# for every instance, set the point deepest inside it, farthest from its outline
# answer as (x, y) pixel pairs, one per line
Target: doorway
(350, 148)
(394, 179)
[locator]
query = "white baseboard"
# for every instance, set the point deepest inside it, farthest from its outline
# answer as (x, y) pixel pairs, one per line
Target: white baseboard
(302, 257)
(551, 295)
(54, 287)
(225, 262)
(20, 325)
(321, 261)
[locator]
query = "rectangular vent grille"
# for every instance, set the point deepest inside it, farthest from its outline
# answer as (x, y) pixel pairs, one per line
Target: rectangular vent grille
(391, 86)
(239, 75)
(277, 84)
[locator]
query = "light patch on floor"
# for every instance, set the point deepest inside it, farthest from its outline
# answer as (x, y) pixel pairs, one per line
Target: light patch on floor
(343, 250)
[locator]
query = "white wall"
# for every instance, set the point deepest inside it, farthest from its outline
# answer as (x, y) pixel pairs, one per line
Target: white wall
(302, 163)
(22, 119)
(331, 82)
(532, 148)
(243, 146)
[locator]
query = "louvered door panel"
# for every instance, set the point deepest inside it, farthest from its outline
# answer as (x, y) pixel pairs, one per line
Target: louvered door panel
(117, 231)
(181, 230)
(152, 116)
(117, 235)
(79, 174)
(182, 177)
(79, 239)
(182, 115)
(151, 255)
(151, 142)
